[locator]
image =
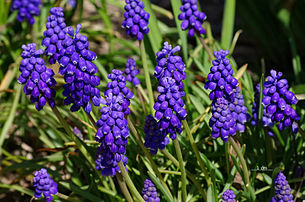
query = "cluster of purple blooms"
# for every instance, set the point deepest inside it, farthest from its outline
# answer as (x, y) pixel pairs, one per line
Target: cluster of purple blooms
(131, 71)
(228, 111)
(113, 130)
(228, 196)
(149, 192)
(282, 189)
(277, 101)
(76, 65)
(136, 19)
(169, 106)
(44, 185)
(54, 34)
(27, 9)
(38, 79)
(192, 19)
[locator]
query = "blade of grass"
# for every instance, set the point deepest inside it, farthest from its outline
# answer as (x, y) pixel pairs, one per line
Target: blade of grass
(228, 24)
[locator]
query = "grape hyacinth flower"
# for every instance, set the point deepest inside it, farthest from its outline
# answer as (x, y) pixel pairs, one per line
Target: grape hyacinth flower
(55, 34)
(192, 19)
(27, 9)
(282, 189)
(228, 196)
(136, 19)
(240, 111)
(44, 185)
(131, 72)
(220, 79)
(38, 79)
(154, 138)
(169, 106)
(277, 101)
(79, 72)
(149, 192)
(113, 130)
(222, 121)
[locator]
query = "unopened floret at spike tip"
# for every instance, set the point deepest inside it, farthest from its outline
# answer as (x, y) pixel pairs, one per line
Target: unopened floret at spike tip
(170, 106)
(228, 111)
(154, 138)
(44, 185)
(27, 9)
(38, 79)
(79, 71)
(131, 72)
(192, 19)
(228, 196)
(113, 130)
(149, 192)
(277, 103)
(136, 19)
(54, 34)
(282, 189)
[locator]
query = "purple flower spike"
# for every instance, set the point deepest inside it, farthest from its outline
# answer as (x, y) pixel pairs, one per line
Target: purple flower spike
(27, 9)
(149, 192)
(277, 103)
(136, 19)
(131, 72)
(228, 196)
(79, 72)
(170, 106)
(38, 79)
(55, 34)
(228, 111)
(113, 130)
(282, 189)
(154, 138)
(191, 18)
(44, 185)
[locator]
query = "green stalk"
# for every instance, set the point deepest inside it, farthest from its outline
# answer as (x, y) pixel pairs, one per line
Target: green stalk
(147, 77)
(242, 160)
(227, 158)
(205, 46)
(143, 93)
(228, 24)
(195, 149)
(123, 186)
(182, 168)
(188, 173)
(148, 155)
(129, 182)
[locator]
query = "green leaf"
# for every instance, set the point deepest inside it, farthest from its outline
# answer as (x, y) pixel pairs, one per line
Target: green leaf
(228, 24)
(210, 195)
(160, 187)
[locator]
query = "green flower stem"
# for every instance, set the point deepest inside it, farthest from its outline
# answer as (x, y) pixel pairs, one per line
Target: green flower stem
(74, 137)
(148, 155)
(130, 184)
(141, 100)
(182, 168)
(143, 93)
(188, 173)
(227, 158)
(205, 46)
(242, 160)
(195, 149)
(123, 187)
(92, 120)
(147, 77)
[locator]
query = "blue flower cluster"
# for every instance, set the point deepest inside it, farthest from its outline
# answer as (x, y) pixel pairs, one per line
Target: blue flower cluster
(192, 19)
(113, 130)
(154, 138)
(38, 79)
(27, 9)
(228, 196)
(55, 34)
(44, 185)
(228, 111)
(79, 72)
(282, 189)
(169, 106)
(136, 19)
(277, 101)
(149, 192)
(131, 72)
